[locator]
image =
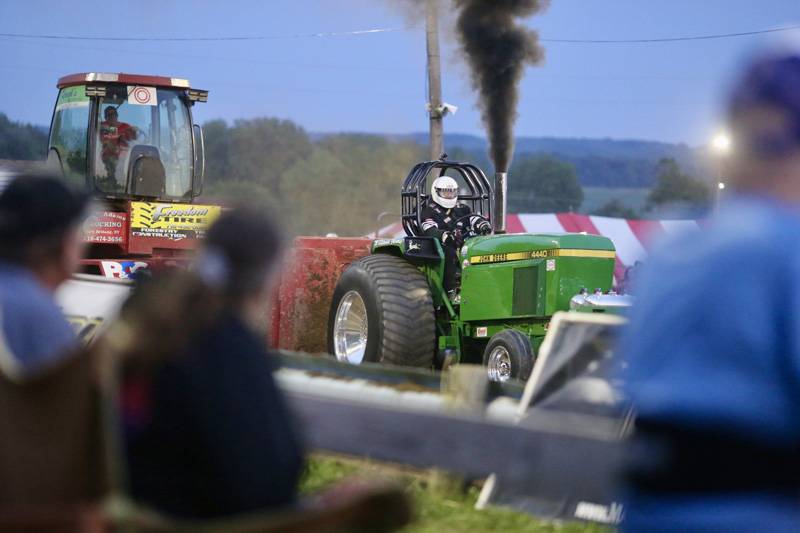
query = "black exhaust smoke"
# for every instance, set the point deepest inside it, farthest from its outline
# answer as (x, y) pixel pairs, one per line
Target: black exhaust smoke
(497, 49)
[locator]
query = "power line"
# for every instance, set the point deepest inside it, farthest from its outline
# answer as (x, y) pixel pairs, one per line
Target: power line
(407, 94)
(673, 39)
(193, 39)
(240, 59)
(390, 30)
(339, 66)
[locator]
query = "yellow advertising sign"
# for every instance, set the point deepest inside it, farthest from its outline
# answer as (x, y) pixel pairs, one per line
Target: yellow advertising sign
(182, 217)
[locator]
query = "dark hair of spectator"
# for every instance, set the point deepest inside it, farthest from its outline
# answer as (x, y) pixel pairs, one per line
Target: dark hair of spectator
(36, 212)
(771, 81)
(168, 310)
(243, 246)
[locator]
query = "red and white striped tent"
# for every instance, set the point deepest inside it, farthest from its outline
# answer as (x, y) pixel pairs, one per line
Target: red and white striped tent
(632, 238)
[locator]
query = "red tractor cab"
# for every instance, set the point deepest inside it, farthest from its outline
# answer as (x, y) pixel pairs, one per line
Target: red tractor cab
(131, 141)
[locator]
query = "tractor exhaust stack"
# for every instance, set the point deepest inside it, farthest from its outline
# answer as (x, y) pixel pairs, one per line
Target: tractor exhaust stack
(499, 212)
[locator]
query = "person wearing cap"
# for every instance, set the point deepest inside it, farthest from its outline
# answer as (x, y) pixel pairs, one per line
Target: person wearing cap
(40, 248)
(115, 137)
(713, 344)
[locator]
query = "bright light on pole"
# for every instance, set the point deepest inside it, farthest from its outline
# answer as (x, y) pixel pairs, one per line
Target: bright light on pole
(721, 144)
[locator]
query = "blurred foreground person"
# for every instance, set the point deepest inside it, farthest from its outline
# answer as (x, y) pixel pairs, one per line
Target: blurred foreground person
(40, 248)
(207, 432)
(48, 425)
(713, 346)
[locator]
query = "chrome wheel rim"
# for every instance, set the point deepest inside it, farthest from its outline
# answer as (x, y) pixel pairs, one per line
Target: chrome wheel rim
(499, 364)
(350, 329)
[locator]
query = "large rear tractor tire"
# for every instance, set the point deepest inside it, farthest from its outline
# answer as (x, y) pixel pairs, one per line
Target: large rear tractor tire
(382, 311)
(508, 355)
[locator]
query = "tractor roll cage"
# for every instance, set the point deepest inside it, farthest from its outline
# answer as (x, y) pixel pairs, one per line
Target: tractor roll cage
(415, 193)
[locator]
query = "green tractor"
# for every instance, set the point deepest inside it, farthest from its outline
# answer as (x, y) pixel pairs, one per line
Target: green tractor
(390, 306)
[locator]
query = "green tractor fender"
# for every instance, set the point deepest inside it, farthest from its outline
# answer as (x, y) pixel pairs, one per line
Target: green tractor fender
(417, 250)
(426, 254)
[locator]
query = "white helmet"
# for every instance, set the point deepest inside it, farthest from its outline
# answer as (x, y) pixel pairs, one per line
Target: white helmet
(444, 191)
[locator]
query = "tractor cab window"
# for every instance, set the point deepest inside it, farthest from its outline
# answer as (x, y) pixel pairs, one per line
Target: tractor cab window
(68, 136)
(143, 144)
(175, 142)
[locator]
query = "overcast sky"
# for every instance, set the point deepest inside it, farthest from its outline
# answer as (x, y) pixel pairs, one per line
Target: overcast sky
(376, 82)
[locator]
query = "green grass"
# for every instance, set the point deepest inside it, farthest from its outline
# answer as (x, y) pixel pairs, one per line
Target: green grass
(440, 505)
(596, 197)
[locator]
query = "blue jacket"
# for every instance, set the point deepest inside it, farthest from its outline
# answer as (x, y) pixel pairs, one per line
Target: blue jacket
(713, 355)
(35, 334)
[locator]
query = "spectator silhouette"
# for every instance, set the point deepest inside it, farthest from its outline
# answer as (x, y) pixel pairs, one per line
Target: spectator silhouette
(50, 433)
(713, 346)
(207, 433)
(40, 248)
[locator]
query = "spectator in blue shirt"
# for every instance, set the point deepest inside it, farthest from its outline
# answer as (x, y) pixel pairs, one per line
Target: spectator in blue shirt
(713, 347)
(40, 248)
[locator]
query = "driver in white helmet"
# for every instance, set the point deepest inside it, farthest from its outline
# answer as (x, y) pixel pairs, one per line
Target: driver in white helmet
(446, 219)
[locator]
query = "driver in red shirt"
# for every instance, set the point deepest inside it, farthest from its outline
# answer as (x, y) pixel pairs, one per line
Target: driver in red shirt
(114, 137)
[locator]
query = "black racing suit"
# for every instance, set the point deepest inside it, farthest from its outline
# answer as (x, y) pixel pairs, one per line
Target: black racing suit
(441, 223)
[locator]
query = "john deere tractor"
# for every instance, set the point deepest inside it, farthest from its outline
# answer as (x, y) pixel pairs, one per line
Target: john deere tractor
(390, 306)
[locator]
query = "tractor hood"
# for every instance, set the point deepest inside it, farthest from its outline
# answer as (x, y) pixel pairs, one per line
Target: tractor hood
(497, 248)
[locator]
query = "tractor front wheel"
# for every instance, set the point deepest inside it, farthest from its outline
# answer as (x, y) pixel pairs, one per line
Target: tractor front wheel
(508, 355)
(382, 311)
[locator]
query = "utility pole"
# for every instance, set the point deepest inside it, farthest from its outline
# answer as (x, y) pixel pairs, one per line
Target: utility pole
(434, 79)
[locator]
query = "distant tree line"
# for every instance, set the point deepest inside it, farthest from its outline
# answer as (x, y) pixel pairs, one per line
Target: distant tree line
(340, 183)
(337, 184)
(676, 189)
(599, 171)
(21, 141)
(674, 193)
(592, 170)
(543, 184)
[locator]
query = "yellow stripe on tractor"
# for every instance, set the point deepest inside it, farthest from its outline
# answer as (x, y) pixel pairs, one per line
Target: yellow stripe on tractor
(541, 254)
